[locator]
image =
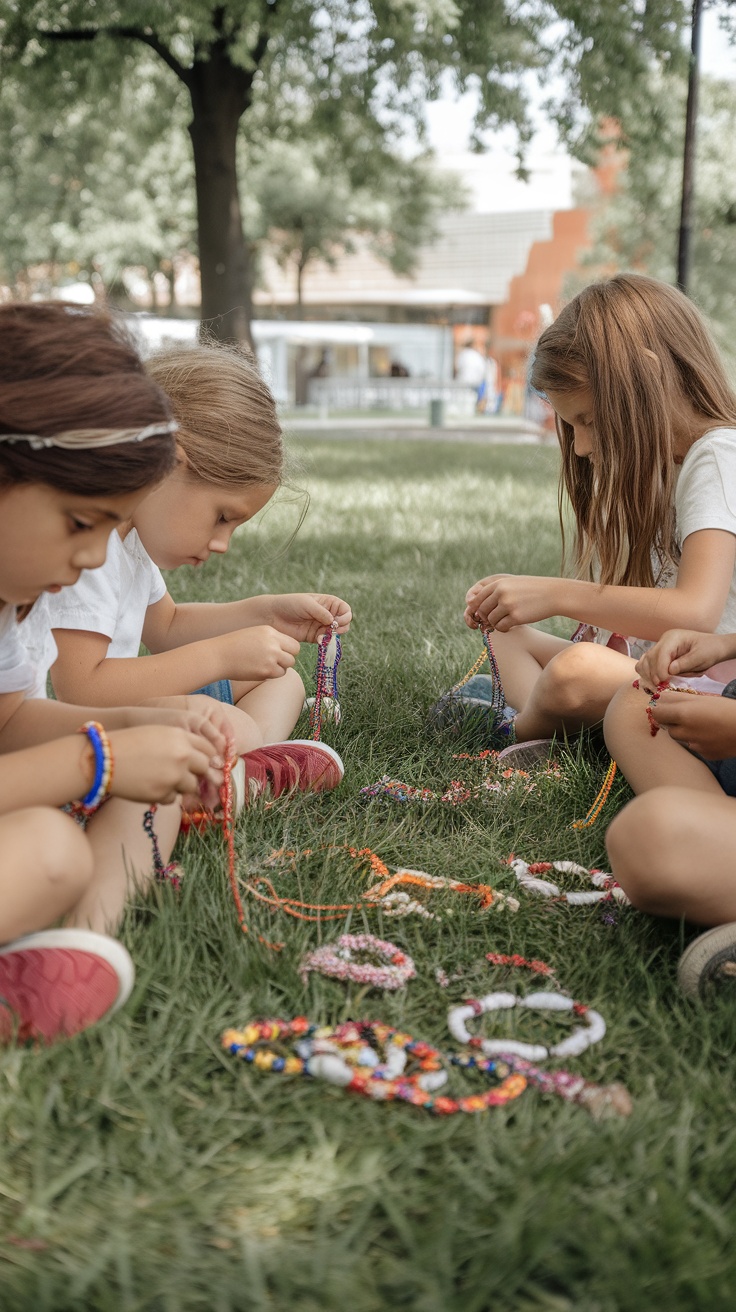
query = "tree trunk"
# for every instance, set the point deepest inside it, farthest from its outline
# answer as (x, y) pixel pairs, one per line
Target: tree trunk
(220, 92)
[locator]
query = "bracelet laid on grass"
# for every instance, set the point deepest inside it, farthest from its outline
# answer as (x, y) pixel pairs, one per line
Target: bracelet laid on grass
(350, 1057)
(598, 1099)
(575, 1044)
(103, 767)
(338, 962)
(605, 887)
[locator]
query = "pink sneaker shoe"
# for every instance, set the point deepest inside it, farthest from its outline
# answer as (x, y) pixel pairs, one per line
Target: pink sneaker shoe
(299, 765)
(60, 981)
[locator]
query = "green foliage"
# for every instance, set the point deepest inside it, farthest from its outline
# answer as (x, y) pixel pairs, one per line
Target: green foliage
(159, 1175)
(638, 228)
(310, 207)
(102, 185)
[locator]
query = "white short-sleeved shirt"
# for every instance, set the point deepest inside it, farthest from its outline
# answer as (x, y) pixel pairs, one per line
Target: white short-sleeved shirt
(16, 670)
(705, 497)
(112, 600)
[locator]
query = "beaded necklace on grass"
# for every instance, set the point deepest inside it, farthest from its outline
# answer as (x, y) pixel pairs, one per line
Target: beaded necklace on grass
(351, 1056)
(380, 894)
(605, 887)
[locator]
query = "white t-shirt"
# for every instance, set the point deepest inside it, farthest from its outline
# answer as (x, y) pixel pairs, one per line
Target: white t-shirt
(112, 600)
(705, 497)
(16, 671)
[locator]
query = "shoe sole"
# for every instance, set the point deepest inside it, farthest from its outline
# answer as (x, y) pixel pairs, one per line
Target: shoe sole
(702, 959)
(522, 755)
(322, 747)
(83, 940)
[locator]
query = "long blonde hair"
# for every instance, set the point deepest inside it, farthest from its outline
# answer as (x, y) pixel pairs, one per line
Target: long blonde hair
(228, 426)
(640, 346)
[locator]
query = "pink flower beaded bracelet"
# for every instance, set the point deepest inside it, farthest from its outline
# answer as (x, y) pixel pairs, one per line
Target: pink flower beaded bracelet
(338, 962)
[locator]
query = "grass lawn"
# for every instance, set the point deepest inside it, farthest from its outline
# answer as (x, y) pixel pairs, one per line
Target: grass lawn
(142, 1168)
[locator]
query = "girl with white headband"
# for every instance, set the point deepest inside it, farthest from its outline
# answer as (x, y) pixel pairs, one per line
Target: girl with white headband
(84, 434)
(230, 461)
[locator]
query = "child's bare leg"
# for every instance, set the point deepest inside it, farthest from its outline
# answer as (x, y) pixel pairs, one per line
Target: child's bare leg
(274, 706)
(573, 691)
(672, 850)
(522, 654)
(123, 860)
(651, 762)
(45, 869)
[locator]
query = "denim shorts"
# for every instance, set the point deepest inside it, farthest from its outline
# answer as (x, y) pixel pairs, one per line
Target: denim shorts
(724, 770)
(221, 690)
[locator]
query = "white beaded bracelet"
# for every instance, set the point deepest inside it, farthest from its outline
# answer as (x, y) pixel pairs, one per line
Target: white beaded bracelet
(581, 1037)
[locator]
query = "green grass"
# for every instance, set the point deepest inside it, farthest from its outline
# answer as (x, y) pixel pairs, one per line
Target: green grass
(151, 1171)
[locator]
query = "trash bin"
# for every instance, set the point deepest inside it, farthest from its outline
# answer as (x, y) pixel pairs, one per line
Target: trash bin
(436, 413)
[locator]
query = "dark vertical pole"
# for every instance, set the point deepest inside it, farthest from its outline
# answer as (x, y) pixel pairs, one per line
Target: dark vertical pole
(688, 161)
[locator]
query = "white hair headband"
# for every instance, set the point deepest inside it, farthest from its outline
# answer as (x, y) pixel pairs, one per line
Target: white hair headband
(80, 439)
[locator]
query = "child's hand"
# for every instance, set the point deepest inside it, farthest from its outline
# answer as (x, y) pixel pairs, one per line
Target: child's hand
(258, 653)
(156, 764)
(706, 724)
(504, 600)
(683, 651)
(307, 615)
(195, 714)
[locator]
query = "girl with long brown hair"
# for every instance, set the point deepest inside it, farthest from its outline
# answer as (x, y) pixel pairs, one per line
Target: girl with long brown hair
(84, 434)
(229, 462)
(646, 422)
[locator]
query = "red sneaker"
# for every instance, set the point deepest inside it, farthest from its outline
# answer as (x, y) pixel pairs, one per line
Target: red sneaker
(299, 765)
(60, 981)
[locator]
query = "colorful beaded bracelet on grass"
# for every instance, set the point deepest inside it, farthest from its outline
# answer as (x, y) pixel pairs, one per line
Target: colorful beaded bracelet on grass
(103, 770)
(575, 1044)
(349, 1057)
(598, 1099)
(338, 962)
(605, 886)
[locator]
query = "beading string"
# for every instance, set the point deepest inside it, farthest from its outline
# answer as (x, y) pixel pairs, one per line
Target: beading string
(655, 693)
(325, 679)
(380, 894)
(164, 874)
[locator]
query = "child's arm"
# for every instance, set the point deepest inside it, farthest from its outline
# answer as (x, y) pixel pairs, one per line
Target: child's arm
(152, 764)
(300, 615)
(83, 672)
(681, 652)
(25, 723)
(696, 601)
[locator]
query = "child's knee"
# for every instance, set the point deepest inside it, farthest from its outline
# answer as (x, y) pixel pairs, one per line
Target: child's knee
(572, 677)
(62, 854)
(641, 843)
(293, 685)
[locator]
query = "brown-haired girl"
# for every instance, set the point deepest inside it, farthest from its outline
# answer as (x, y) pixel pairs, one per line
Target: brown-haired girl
(230, 461)
(84, 433)
(646, 422)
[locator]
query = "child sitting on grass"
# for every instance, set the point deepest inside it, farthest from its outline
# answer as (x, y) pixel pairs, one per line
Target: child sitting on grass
(672, 848)
(84, 434)
(646, 422)
(230, 461)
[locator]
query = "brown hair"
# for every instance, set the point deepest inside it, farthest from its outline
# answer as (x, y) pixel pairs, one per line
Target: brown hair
(228, 426)
(68, 367)
(640, 346)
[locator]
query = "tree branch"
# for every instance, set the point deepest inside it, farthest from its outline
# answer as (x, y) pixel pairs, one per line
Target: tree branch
(126, 33)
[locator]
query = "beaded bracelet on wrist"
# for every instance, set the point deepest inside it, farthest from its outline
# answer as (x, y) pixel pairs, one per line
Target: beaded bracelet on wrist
(103, 768)
(338, 962)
